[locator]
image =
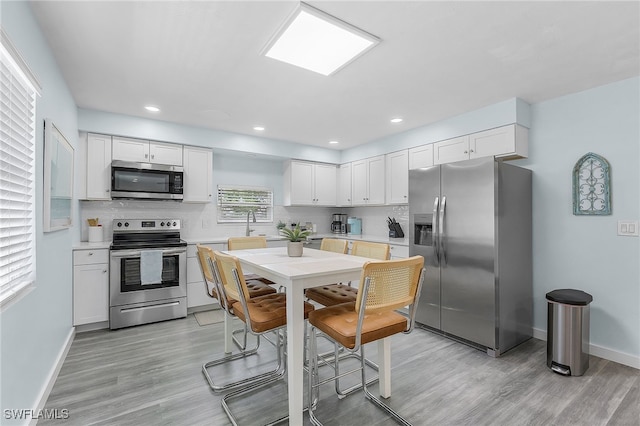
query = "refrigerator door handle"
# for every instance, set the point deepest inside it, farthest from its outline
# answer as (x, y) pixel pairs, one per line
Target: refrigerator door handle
(441, 233)
(436, 239)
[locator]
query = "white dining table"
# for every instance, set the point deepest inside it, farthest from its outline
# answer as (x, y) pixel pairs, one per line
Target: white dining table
(295, 274)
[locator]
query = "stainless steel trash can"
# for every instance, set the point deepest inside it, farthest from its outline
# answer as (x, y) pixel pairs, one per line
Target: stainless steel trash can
(568, 331)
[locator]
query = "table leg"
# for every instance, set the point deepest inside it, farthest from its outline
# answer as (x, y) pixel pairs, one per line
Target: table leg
(384, 367)
(295, 352)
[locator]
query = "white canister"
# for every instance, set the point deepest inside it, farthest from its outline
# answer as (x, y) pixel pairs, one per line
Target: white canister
(95, 234)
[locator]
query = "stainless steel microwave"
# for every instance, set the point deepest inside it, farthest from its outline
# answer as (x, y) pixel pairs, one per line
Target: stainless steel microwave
(146, 181)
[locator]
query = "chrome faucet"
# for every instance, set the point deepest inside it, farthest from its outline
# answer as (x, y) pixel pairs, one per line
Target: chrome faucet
(250, 213)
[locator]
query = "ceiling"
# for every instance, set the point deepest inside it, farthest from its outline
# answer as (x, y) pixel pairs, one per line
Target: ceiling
(201, 62)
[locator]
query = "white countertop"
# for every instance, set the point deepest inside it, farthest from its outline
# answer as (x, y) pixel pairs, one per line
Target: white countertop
(83, 245)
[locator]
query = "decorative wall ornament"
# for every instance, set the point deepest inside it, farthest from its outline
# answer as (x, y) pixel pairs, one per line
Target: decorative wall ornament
(592, 186)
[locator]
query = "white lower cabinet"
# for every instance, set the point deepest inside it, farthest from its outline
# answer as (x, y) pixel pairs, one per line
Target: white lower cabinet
(196, 290)
(399, 252)
(90, 286)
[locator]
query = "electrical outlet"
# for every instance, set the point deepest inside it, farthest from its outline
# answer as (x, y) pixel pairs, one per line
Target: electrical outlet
(628, 228)
(206, 223)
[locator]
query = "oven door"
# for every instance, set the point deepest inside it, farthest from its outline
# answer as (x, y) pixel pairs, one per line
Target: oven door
(125, 282)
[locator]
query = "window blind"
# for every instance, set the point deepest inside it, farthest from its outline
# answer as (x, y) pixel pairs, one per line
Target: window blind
(17, 170)
(236, 202)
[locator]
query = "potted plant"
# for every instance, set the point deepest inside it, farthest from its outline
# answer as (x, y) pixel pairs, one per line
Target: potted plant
(296, 236)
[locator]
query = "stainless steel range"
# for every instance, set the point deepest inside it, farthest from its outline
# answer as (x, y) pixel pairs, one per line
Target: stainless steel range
(147, 282)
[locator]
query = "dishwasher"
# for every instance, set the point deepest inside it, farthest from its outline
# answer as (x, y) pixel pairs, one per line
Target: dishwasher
(313, 243)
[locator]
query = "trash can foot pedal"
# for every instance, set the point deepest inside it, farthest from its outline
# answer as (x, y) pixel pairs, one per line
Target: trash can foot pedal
(560, 369)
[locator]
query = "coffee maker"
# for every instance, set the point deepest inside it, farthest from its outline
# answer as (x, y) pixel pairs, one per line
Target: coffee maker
(339, 223)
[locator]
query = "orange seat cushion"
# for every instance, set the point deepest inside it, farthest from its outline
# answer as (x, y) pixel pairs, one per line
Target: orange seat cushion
(256, 277)
(267, 312)
(256, 289)
(340, 322)
(333, 294)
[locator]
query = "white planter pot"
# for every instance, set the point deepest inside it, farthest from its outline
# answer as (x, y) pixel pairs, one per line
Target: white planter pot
(294, 249)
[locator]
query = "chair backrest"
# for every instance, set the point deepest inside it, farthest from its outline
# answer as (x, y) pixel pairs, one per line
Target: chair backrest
(205, 255)
(241, 243)
(227, 265)
(379, 251)
(334, 245)
(390, 284)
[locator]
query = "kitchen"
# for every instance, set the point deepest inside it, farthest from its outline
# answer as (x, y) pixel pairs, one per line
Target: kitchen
(603, 119)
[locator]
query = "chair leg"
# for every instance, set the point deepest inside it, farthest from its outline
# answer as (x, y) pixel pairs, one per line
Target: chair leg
(368, 395)
(243, 382)
(258, 384)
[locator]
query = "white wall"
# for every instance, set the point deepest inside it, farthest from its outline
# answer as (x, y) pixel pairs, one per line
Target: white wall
(580, 251)
(36, 328)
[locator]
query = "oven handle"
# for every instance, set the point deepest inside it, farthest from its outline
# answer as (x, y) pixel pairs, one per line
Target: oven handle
(136, 253)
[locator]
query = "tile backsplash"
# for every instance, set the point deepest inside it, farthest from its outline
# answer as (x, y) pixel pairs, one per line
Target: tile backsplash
(199, 220)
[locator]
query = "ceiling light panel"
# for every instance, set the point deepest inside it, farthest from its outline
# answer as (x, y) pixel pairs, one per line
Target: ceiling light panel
(316, 41)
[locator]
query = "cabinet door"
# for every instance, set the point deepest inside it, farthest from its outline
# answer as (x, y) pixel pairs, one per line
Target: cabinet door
(344, 185)
(98, 167)
(301, 183)
(508, 141)
(90, 293)
(165, 153)
(127, 149)
(397, 169)
(377, 180)
(324, 180)
(359, 182)
(421, 156)
(198, 175)
(456, 149)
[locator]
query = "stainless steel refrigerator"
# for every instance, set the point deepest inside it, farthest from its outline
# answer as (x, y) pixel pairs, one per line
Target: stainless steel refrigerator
(471, 220)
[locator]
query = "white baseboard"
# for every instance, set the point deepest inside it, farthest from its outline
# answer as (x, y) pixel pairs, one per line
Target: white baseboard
(599, 351)
(53, 375)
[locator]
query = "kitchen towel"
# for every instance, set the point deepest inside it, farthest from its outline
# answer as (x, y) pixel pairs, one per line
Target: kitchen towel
(150, 267)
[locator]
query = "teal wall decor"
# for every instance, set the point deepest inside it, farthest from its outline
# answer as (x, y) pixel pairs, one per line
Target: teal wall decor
(592, 186)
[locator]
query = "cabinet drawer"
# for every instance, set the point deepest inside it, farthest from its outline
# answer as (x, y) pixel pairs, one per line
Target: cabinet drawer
(88, 257)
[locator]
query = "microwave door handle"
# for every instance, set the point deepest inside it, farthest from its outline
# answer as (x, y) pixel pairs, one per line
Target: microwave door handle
(435, 232)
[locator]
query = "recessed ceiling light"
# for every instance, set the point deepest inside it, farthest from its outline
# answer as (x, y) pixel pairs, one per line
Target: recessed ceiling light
(396, 120)
(334, 142)
(152, 108)
(316, 41)
(258, 128)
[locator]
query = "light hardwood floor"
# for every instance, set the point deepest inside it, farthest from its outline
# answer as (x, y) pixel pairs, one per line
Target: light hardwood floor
(151, 375)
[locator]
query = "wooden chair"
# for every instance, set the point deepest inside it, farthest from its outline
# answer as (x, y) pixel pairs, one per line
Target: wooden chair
(243, 243)
(334, 294)
(261, 314)
(387, 286)
(213, 288)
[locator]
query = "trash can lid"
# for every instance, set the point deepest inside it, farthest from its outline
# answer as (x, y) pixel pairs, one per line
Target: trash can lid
(570, 297)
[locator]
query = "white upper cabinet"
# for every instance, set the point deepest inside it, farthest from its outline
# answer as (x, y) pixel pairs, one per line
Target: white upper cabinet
(397, 169)
(127, 149)
(198, 175)
(368, 181)
(420, 157)
(507, 142)
(344, 185)
(98, 167)
(308, 183)
(456, 149)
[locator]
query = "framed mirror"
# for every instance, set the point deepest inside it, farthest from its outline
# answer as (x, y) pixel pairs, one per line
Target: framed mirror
(58, 179)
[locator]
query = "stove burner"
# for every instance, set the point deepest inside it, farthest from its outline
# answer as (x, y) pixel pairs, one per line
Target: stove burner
(146, 233)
